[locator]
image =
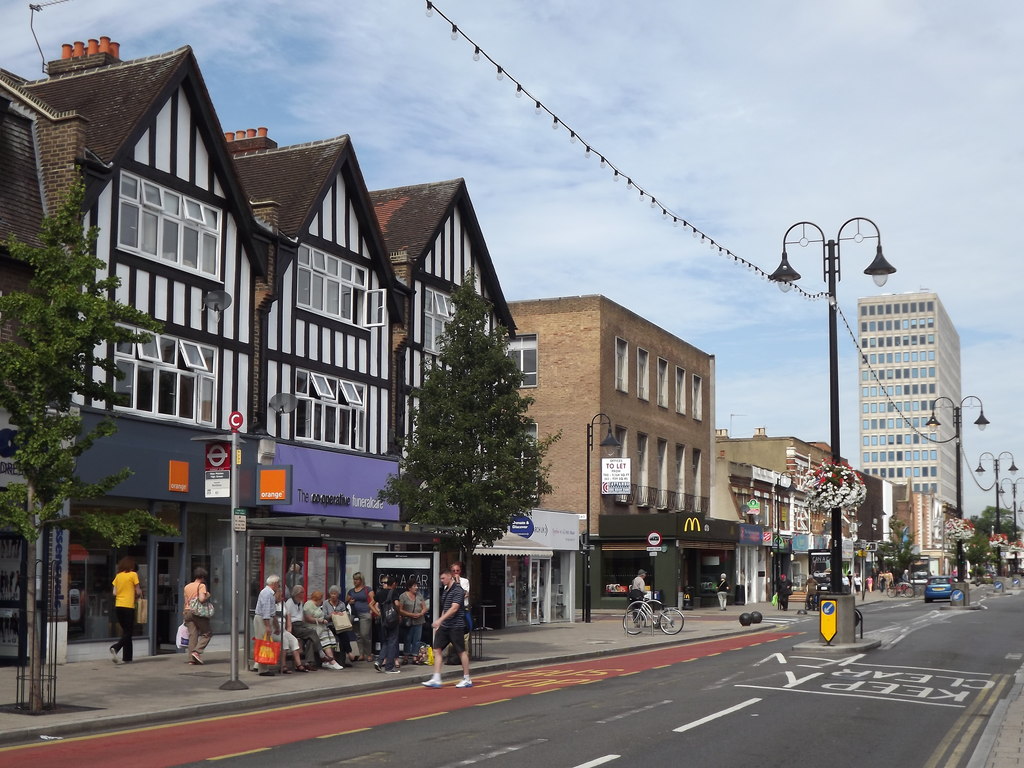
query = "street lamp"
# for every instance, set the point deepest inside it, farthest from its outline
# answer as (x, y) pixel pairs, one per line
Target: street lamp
(1005, 485)
(610, 442)
(1013, 471)
(785, 275)
(981, 422)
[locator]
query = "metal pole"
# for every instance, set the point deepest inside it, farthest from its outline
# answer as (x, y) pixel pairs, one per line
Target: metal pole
(586, 534)
(831, 273)
(960, 565)
(233, 683)
(999, 550)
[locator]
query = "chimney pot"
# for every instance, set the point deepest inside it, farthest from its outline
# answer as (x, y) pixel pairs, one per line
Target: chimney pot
(261, 132)
(239, 135)
(65, 51)
(79, 49)
(229, 135)
(104, 44)
(94, 46)
(115, 50)
(250, 133)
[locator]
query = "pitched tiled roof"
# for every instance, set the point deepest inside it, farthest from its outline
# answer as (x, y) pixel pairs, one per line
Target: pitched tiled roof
(112, 98)
(293, 177)
(410, 216)
(21, 205)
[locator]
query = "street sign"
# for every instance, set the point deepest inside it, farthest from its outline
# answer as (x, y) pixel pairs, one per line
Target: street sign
(217, 457)
(218, 484)
(654, 549)
(828, 618)
(238, 520)
(654, 539)
(236, 420)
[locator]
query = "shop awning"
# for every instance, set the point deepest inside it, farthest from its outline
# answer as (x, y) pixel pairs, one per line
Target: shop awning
(513, 544)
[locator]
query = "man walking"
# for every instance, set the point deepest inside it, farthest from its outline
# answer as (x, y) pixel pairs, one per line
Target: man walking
(264, 620)
(449, 627)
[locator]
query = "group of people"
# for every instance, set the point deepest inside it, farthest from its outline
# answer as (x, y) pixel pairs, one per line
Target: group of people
(309, 633)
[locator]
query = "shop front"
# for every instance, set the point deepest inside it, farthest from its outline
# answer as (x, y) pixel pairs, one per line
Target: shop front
(752, 562)
(527, 576)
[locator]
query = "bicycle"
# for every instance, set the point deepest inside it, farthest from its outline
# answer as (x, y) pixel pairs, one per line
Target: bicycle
(643, 614)
(903, 589)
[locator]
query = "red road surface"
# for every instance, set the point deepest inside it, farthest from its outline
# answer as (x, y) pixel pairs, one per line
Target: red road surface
(162, 746)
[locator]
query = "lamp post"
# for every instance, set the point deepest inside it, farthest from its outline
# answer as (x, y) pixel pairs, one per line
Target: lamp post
(995, 466)
(785, 275)
(1005, 485)
(981, 422)
(609, 441)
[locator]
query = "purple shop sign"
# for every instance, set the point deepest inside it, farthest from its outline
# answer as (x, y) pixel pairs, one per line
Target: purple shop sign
(336, 484)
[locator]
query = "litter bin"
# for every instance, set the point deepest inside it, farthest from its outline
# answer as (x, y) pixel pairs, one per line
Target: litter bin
(687, 599)
(741, 595)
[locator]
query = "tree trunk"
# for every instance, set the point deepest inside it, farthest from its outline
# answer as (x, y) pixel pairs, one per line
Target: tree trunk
(33, 644)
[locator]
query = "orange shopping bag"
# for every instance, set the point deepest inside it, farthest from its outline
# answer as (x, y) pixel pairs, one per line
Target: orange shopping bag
(267, 651)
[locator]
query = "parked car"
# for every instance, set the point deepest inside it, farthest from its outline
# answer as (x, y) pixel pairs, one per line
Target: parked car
(938, 588)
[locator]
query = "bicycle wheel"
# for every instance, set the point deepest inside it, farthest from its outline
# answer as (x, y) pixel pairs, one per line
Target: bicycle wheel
(634, 621)
(671, 621)
(891, 592)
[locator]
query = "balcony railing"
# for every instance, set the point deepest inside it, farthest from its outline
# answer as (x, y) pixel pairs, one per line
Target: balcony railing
(669, 501)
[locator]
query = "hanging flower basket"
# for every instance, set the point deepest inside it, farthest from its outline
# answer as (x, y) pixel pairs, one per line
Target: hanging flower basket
(832, 485)
(998, 540)
(958, 529)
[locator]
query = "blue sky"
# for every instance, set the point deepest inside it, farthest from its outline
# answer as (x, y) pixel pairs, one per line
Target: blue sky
(742, 117)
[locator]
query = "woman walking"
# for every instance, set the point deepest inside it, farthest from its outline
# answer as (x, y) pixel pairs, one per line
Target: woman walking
(126, 591)
(199, 632)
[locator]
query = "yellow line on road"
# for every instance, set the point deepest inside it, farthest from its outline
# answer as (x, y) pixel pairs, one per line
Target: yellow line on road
(342, 733)
(424, 717)
(963, 730)
(488, 703)
(239, 754)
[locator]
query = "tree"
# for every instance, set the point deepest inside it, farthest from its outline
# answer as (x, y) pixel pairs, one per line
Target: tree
(471, 463)
(62, 326)
(897, 552)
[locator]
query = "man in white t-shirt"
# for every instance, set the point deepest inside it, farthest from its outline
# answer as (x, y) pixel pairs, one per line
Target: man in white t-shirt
(458, 571)
(638, 584)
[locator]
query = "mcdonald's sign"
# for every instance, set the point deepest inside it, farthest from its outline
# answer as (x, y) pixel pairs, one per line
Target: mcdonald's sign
(692, 523)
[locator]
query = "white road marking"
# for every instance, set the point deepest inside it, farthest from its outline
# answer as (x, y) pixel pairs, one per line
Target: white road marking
(851, 695)
(715, 716)
(497, 753)
(599, 761)
(632, 712)
(775, 656)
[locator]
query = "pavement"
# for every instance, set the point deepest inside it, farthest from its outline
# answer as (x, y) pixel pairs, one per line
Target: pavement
(95, 696)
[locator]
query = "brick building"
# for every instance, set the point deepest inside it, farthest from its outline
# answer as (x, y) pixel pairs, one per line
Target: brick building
(592, 366)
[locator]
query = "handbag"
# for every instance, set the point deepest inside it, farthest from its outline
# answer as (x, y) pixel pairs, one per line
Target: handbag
(181, 639)
(267, 651)
(199, 608)
(342, 621)
(141, 610)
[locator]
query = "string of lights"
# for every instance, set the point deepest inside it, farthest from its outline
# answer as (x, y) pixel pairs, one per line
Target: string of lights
(558, 123)
(617, 173)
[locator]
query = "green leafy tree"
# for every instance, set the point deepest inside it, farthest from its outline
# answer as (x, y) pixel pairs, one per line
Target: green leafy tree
(897, 552)
(61, 326)
(471, 463)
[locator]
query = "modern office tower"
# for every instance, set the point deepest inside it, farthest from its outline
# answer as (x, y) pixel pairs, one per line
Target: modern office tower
(910, 355)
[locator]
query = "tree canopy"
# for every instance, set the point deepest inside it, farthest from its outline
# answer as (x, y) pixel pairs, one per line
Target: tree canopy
(897, 552)
(62, 325)
(471, 463)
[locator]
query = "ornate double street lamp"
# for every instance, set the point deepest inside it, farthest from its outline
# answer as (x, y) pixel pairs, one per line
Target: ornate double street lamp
(805, 233)
(608, 443)
(981, 471)
(981, 422)
(1011, 485)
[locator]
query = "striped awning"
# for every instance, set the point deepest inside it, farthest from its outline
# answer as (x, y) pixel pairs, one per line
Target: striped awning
(513, 544)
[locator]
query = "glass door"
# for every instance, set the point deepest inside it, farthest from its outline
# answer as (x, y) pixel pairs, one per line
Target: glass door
(535, 606)
(166, 595)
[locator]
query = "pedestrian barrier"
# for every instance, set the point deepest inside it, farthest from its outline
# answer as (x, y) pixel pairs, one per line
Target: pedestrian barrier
(858, 621)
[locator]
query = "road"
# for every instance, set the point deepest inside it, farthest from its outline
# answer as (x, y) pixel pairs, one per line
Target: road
(921, 699)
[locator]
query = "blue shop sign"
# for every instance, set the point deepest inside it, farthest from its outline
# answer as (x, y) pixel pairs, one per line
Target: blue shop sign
(521, 526)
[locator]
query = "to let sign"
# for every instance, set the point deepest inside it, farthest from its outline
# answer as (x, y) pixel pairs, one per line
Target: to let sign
(615, 477)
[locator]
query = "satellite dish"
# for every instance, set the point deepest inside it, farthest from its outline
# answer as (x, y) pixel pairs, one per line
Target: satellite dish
(218, 301)
(284, 402)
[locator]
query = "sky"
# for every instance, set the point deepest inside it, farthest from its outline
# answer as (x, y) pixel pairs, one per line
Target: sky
(742, 118)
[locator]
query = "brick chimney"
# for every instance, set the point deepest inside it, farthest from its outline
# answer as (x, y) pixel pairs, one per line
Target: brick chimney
(77, 56)
(250, 140)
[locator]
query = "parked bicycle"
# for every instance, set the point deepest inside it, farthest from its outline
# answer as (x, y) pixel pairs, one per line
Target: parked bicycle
(903, 589)
(641, 615)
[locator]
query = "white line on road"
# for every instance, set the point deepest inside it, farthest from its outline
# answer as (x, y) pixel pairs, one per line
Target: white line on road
(599, 761)
(632, 712)
(851, 695)
(715, 716)
(498, 753)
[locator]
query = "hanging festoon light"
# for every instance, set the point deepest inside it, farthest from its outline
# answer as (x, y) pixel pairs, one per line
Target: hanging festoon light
(476, 54)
